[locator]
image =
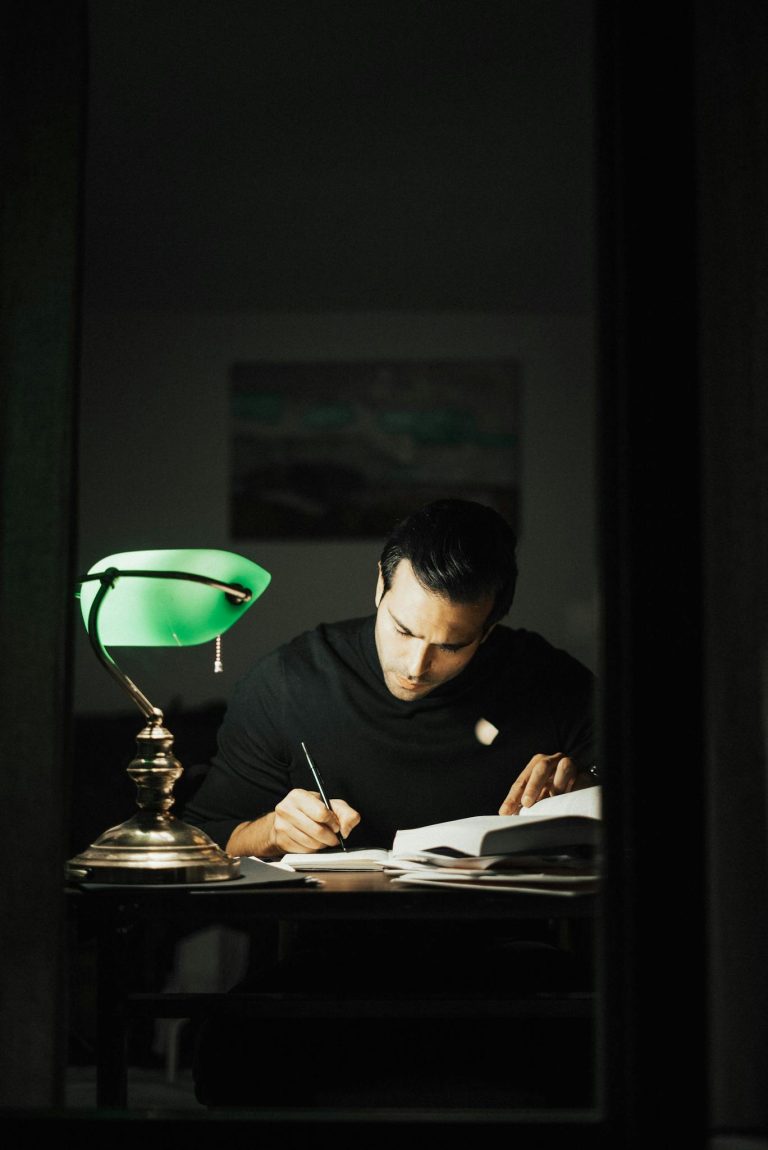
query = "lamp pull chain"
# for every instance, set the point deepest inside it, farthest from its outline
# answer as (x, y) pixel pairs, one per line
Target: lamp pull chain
(218, 666)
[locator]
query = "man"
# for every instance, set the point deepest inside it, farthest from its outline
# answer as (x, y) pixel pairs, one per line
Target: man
(428, 711)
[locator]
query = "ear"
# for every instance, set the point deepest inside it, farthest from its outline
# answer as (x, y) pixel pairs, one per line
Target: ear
(379, 588)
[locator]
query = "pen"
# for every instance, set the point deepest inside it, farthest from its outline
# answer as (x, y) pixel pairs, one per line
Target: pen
(323, 795)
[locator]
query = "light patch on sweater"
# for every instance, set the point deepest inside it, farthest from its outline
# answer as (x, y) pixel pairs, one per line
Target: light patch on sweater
(485, 732)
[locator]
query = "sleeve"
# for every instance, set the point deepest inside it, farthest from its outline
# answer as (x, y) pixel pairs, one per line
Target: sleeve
(249, 773)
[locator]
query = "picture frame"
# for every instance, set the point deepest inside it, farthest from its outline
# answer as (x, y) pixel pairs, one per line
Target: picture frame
(340, 450)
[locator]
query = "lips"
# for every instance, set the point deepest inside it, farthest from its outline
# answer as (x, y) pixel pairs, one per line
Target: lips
(409, 685)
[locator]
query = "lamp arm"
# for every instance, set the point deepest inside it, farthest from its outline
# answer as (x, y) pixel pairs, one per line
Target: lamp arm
(107, 578)
(234, 591)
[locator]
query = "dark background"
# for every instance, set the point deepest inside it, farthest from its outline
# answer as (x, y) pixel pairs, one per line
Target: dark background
(322, 155)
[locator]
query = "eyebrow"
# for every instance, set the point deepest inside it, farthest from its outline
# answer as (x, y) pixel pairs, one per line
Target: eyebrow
(444, 646)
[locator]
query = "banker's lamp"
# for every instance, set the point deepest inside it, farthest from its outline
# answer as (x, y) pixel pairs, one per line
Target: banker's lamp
(175, 598)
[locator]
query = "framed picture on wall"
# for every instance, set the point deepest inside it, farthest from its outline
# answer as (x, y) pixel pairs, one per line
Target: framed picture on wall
(344, 450)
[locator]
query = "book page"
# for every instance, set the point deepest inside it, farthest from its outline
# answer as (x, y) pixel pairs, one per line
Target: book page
(465, 835)
(489, 879)
(372, 858)
(469, 835)
(471, 864)
(454, 883)
(585, 801)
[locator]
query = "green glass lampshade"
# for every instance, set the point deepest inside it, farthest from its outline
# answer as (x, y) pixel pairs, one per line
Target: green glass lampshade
(163, 611)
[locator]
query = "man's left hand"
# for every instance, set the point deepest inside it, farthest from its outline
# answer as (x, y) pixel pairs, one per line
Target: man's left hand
(545, 775)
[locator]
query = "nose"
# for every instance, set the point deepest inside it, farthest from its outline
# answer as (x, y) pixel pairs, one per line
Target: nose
(419, 660)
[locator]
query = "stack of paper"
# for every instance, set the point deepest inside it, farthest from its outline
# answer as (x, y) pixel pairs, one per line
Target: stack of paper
(540, 877)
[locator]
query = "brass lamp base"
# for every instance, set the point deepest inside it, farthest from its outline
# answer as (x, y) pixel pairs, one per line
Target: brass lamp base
(153, 846)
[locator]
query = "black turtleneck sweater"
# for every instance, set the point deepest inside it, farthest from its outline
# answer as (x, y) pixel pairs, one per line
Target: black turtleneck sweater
(399, 763)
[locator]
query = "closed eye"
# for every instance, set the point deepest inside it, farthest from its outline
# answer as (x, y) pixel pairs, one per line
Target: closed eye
(449, 648)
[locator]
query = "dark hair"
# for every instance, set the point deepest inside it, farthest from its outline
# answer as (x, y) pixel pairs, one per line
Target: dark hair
(459, 549)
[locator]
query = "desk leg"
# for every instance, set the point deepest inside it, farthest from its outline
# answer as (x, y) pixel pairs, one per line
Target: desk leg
(111, 1023)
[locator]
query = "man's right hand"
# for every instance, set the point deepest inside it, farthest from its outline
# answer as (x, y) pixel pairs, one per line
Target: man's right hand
(300, 823)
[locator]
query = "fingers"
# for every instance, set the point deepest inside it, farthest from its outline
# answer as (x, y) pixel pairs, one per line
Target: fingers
(530, 784)
(544, 775)
(564, 777)
(512, 803)
(303, 823)
(348, 817)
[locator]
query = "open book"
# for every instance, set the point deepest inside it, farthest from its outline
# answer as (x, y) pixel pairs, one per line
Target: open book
(557, 825)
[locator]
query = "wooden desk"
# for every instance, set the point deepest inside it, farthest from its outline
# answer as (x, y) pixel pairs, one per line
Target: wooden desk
(116, 914)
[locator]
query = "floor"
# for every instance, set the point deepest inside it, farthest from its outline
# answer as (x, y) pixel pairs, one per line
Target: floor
(151, 1089)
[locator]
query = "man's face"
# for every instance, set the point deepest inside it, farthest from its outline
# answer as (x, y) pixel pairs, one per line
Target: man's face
(424, 639)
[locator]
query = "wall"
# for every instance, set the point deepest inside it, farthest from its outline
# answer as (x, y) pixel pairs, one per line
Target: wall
(320, 179)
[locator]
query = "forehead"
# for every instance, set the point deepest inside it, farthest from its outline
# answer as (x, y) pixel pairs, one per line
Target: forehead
(431, 616)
